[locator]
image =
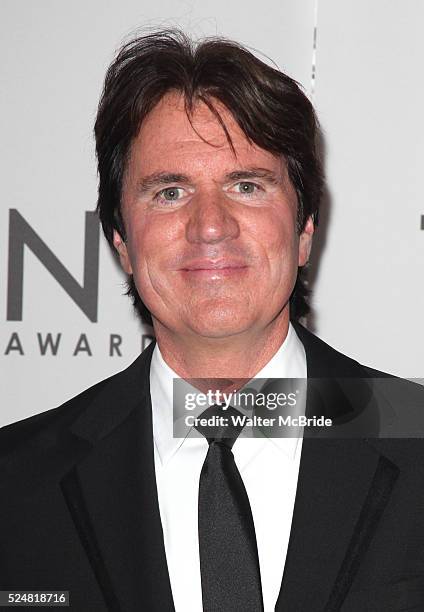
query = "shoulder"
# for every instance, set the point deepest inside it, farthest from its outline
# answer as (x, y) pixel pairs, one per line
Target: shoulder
(21, 432)
(368, 402)
(51, 424)
(324, 360)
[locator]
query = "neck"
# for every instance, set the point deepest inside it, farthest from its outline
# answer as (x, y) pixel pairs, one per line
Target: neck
(236, 358)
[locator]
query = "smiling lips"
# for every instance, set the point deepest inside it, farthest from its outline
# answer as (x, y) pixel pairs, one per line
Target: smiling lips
(214, 268)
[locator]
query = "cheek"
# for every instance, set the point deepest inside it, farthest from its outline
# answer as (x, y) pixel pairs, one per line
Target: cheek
(151, 244)
(281, 242)
(138, 245)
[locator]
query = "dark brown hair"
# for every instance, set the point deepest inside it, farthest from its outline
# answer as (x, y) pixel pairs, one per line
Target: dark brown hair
(268, 106)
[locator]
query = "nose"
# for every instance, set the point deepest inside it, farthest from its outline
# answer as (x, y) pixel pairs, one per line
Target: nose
(211, 220)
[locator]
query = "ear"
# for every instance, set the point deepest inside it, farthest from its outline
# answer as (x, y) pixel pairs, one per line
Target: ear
(121, 248)
(305, 242)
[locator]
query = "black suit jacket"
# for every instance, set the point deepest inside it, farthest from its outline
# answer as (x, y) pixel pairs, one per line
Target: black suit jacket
(79, 507)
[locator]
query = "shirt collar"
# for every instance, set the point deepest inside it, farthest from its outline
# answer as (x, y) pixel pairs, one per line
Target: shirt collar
(288, 362)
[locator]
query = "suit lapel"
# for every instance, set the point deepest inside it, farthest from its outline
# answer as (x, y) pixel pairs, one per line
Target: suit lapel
(343, 488)
(112, 497)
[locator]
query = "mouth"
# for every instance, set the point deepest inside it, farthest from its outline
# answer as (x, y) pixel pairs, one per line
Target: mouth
(214, 269)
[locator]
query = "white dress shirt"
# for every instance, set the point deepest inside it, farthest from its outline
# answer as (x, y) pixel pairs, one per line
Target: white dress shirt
(269, 468)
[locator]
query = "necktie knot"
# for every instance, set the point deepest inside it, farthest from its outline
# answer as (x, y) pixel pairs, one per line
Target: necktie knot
(220, 424)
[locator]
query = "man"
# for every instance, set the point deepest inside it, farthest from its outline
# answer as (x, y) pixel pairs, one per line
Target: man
(209, 191)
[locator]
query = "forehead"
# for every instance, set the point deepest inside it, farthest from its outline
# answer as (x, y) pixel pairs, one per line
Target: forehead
(168, 137)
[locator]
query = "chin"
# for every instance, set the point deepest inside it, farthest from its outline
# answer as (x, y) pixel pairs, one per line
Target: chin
(219, 322)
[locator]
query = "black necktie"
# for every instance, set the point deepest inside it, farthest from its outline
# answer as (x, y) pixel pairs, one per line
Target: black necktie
(229, 561)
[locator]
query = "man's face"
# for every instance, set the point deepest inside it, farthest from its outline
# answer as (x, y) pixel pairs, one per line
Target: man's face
(211, 236)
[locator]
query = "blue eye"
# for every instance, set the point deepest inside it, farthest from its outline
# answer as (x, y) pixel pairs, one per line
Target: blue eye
(247, 187)
(170, 194)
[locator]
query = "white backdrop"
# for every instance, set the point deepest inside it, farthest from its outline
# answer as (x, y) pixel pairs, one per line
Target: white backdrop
(369, 95)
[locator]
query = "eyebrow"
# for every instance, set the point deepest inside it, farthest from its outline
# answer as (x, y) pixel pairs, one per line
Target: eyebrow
(158, 179)
(249, 173)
